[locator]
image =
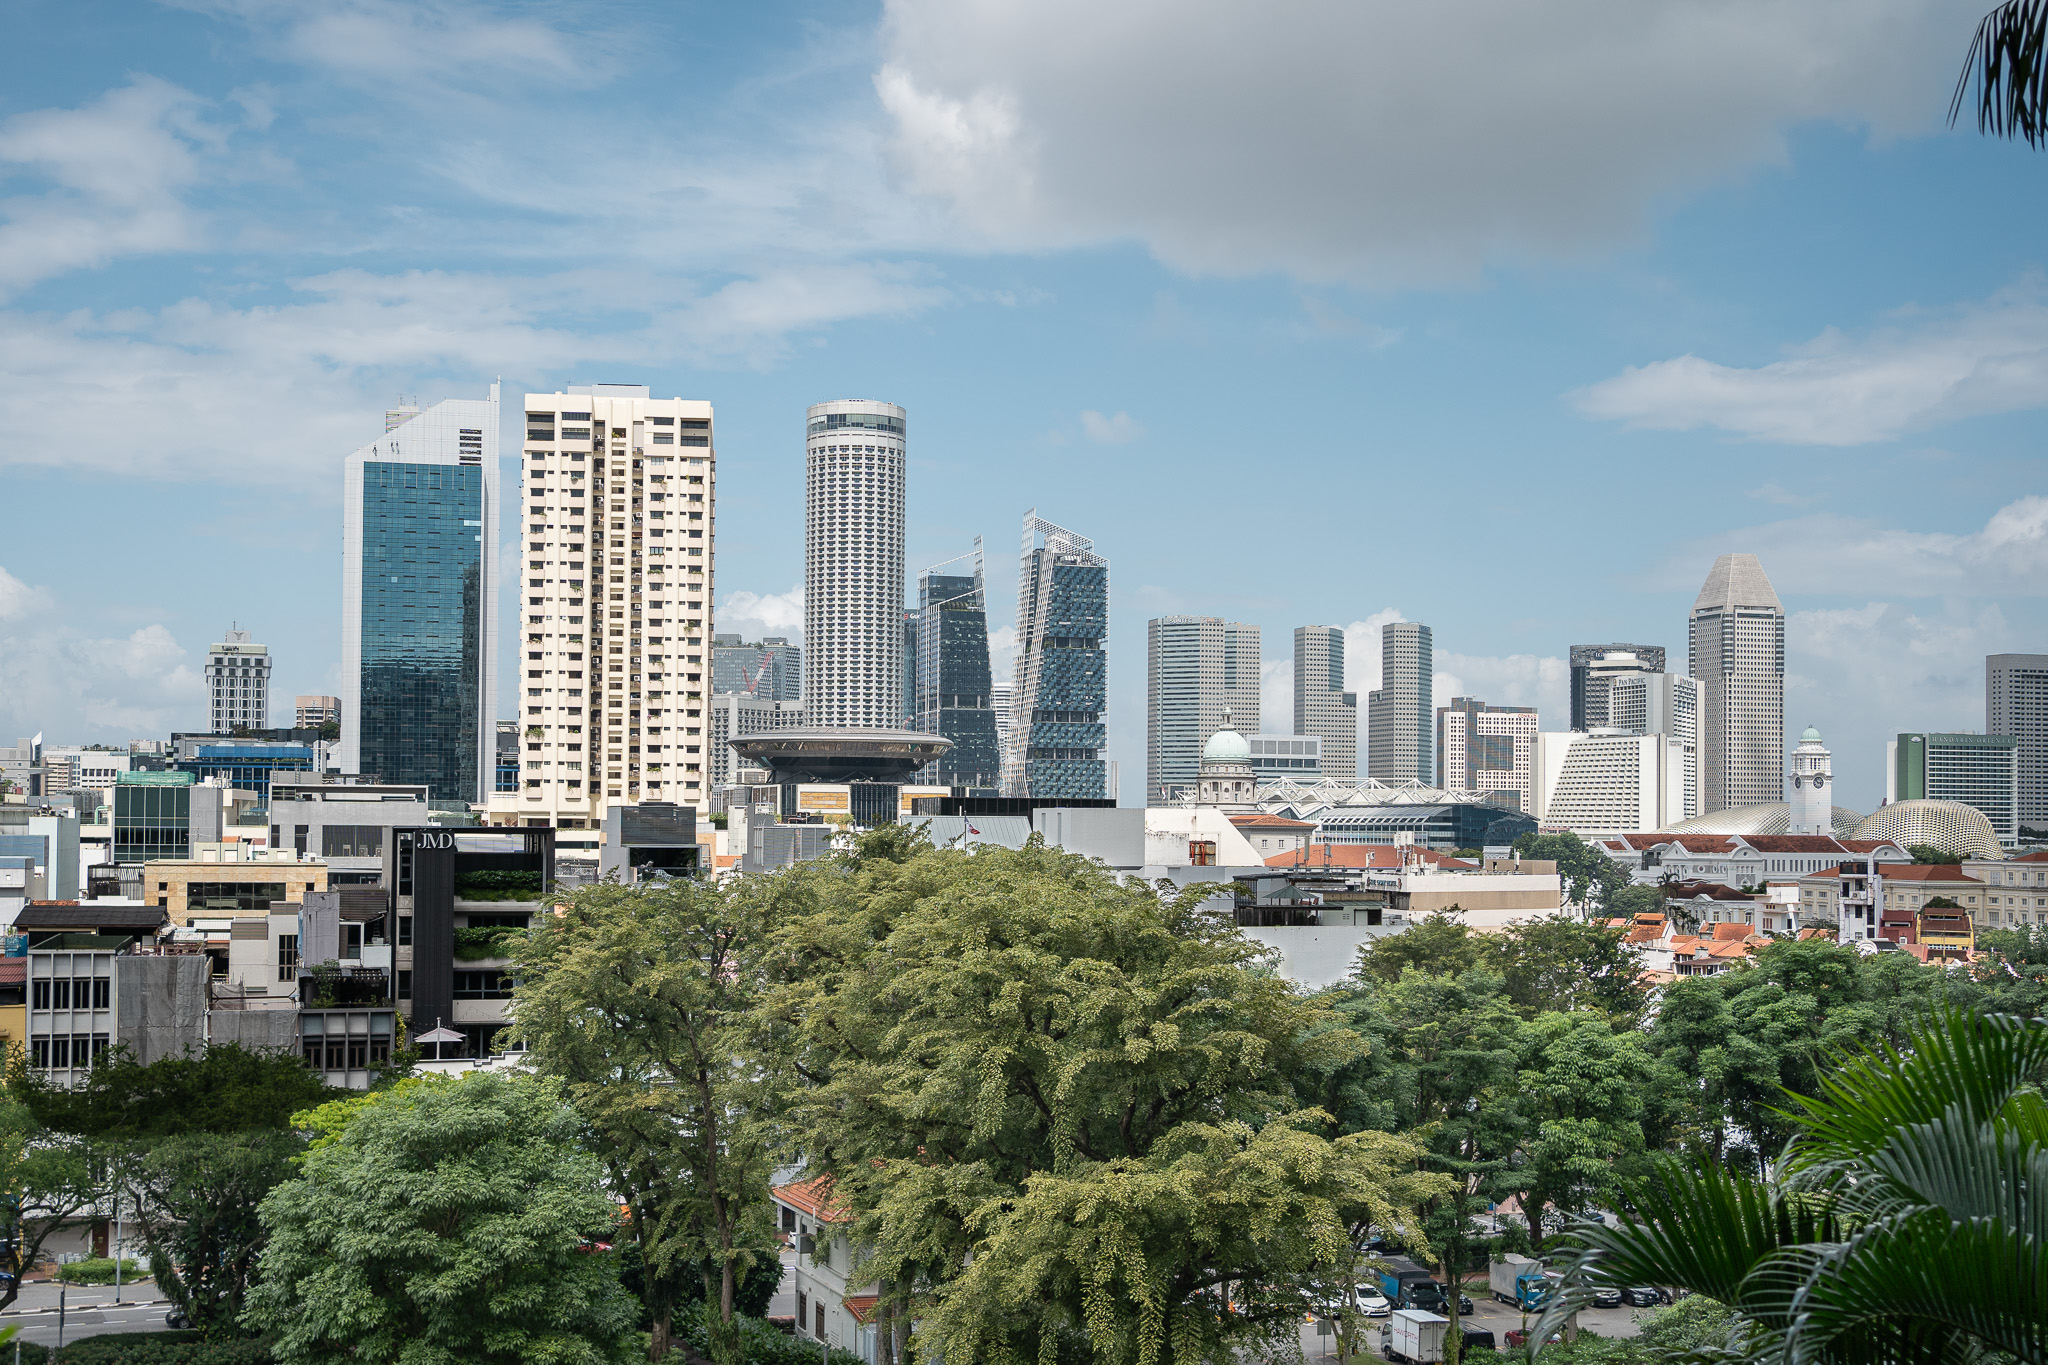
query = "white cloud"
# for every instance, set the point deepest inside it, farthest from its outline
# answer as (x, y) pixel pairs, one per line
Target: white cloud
(1864, 674)
(1828, 553)
(61, 678)
(1276, 696)
(752, 614)
(1839, 390)
(1110, 431)
(1508, 680)
(115, 172)
(1373, 138)
(1002, 656)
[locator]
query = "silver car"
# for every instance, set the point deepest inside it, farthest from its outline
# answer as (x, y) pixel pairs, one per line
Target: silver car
(1373, 1303)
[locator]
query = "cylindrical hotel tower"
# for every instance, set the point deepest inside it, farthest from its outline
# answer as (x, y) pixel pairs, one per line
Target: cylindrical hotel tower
(853, 565)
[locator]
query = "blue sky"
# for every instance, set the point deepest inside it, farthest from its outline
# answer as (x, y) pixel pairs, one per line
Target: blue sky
(1503, 318)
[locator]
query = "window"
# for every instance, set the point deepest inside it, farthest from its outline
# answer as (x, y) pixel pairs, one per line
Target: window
(405, 931)
(287, 956)
(405, 984)
(1202, 852)
(352, 841)
(483, 986)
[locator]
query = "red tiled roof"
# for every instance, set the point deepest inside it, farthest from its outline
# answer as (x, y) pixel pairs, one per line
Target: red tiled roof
(1384, 856)
(1691, 843)
(814, 1197)
(2039, 855)
(862, 1306)
(1806, 934)
(1713, 891)
(1865, 845)
(13, 970)
(1724, 932)
(1928, 872)
(1263, 821)
(1793, 843)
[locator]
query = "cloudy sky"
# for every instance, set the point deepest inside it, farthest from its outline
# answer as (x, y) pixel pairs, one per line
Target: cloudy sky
(1502, 317)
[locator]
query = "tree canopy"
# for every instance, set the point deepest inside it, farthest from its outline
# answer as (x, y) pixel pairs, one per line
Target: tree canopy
(444, 1222)
(222, 1088)
(1060, 1107)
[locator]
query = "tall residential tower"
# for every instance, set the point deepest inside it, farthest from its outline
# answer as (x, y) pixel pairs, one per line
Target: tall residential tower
(617, 563)
(1201, 676)
(1321, 705)
(853, 565)
(1736, 645)
(1057, 734)
(419, 600)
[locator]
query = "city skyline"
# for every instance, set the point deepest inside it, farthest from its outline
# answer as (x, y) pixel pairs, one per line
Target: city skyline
(1710, 319)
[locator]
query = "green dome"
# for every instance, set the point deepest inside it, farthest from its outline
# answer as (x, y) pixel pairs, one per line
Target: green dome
(1809, 736)
(1227, 746)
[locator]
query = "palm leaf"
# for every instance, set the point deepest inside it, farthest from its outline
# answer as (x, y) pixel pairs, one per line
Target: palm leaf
(2008, 63)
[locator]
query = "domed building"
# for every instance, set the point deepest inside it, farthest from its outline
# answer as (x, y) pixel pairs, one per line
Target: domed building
(1949, 826)
(1227, 780)
(1767, 817)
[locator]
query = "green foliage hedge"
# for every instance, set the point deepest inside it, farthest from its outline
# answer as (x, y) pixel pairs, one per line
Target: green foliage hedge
(100, 1270)
(498, 885)
(147, 1348)
(762, 1343)
(474, 944)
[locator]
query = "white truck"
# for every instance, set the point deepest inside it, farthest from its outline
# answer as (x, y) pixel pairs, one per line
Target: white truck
(1518, 1280)
(1414, 1337)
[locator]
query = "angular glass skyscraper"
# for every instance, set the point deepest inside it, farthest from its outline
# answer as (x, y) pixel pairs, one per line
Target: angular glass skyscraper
(419, 628)
(1057, 736)
(953, 690)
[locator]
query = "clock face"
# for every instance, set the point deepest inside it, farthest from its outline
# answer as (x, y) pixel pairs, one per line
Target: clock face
(1819, 781)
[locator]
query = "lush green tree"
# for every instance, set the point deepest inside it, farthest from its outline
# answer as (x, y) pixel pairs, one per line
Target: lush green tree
(1579, 1098)
(1566, 964)
(1441, 943)
(1589, 876)
(638, 999)
(46, 1179)
(1060, 1106)
(219, 1089)
(1626, 901)
(195, 1200)
(1933, 854)
(445, 1222)
(1902, 1223)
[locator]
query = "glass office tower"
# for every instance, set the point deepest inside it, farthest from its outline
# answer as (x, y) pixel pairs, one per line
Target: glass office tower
(419, 602)
(1061, 691)
(953, 695)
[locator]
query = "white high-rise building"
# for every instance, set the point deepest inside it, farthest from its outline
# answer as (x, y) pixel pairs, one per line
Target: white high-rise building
(1321, 705)
(1736, 644)
(1401, 712)
(419, 601)
(1485, 749)
(238, 680)
(2016, 704)
(853, 565)
(1661, 704)
(1607, 782)
(1202, 677)
(1812, 779)
(615, 604)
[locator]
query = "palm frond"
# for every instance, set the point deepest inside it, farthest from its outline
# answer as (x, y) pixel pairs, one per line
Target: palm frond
(2008, 64)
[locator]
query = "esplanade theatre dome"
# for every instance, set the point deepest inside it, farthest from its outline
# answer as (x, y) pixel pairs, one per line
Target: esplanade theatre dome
(1769, 817)
(1949, 826)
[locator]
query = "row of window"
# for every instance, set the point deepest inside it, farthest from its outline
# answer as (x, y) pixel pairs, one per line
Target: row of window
(66, 1050)
(70, 993)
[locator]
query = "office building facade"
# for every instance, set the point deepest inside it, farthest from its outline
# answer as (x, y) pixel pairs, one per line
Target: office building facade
(1736, 648)
(1321, 705)
(954, 694)
(1400, 713)
(1061, 672)
(419, 619)
(2016, 704)
(1607, 782)
(1297, 758)
(1201, 676)
(1485, 749)
(771, 668)
(853, 661)
(1661, 703)
(238, 684)
(1594, 682)
(617, 559)
(1978, 770)
(740, 713)
(1648, 658)
(312, 712)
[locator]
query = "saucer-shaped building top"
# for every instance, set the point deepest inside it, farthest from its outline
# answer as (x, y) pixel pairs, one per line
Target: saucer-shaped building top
(1949, 826)
(842, 755)
(1766, 817)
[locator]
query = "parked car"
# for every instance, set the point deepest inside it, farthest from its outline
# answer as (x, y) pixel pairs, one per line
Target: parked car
(176, 1320)
(1517, 1337)
(1476, 1337)
(1373, 1303)
(1644, 1296)
(1606, 1297)
(1464, 1304)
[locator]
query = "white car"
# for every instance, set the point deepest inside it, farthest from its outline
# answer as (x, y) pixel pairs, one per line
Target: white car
(1373, 1303)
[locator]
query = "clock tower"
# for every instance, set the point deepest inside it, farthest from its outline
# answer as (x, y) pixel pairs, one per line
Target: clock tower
(1813, 786)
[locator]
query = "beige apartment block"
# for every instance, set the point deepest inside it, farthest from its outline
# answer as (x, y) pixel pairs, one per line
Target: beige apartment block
(193, 889)
(615, 570)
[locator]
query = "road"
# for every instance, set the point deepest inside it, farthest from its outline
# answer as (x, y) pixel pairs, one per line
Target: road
(1497, 1318)
(89, 1311)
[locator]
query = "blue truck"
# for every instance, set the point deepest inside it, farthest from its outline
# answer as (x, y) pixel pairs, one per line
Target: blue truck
(1520, 1281)
(1408, 1285)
